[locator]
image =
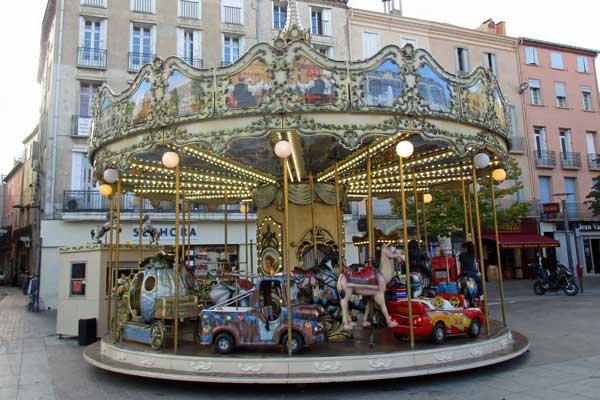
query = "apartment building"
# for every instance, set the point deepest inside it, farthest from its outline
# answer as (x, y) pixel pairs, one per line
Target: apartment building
(88, 43)
(560, 93)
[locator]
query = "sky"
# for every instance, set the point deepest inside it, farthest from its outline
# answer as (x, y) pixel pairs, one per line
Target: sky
(574, 22)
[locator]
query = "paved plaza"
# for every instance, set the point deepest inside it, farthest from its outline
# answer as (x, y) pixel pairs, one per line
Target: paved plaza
(564, 361)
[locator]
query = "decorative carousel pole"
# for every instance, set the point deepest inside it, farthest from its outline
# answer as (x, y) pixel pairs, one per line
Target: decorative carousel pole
(427, 198)
(118, 246)
(498, 175)
(170, 159)
(340, 219)
(226, 223)
(371, 261)
(480, 161)
(405, 149)
(312, 217)
(140, 200)
(283, 149)
(414, 187)
(245, 209)
(465, 211)
(189, 234)
(107, 190)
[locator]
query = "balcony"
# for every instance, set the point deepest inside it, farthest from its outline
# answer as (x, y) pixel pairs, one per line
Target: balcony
(545, 158)
(81, 126)
(143, 6)
(189, 9)
(575, 212)
(570, 160)
(91, 58)
(94, 3)
(232, 15)
(87, 201)
(593, 161)
(194, 62)
(138, 60)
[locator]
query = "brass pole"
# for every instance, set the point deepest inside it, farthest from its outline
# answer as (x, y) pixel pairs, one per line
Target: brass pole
(480, 245)
(414, 185)
(226, 217)
(500, 277)
(465, 211)
(251, 262)
(287, 256)
(471, 224)
(189, 235)
(118, 244)
(423, 214)
(370, 210)
(110, 261)
(140, 233)
(246, 236)
(312, 217)
(339, 219)
(406, 257)
(176, 262)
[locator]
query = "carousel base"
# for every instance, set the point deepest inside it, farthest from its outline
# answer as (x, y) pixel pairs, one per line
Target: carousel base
(367, 357)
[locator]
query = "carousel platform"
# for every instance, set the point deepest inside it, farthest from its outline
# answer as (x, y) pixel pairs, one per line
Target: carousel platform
(356, 360)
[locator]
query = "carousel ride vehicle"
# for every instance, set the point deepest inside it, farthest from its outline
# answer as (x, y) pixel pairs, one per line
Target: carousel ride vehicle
(300, 136)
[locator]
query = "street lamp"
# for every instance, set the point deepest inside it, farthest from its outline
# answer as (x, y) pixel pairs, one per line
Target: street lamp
(563, 204)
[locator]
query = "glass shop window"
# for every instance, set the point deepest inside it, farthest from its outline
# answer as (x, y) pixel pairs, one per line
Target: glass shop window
(78, 279)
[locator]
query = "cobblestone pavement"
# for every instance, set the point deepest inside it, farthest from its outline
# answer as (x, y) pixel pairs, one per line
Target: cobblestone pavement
(564, 361)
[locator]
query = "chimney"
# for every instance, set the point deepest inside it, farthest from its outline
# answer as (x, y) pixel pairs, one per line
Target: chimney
(501, 28)
(490, 26)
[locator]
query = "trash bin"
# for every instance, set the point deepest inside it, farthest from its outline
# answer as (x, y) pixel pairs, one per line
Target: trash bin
(87, 331)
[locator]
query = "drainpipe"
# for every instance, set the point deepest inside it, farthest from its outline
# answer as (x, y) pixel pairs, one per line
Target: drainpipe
(56, 108)
(350, 14)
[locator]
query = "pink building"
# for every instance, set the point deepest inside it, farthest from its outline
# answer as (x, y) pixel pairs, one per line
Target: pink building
(562, 106)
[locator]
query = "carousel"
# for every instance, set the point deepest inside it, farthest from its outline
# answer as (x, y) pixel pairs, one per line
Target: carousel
(298, 137)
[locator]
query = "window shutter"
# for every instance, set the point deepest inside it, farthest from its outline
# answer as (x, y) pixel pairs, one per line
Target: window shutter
(586, 89)
(81, 30)
(467, 60)
(534, 83)
(179, 10)
(456, 59)
(180, 43)
(242, 46)
(131, 4)
(199, 8)
(198, 46)
(103, 31)
(326, 15)
(77, 171)
(559, 89)
(131, 37)
(153, 40)
(153, 6)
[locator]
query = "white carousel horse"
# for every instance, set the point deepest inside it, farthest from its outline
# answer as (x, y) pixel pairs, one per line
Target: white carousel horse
(369, 283)
(99, 232)
(151, 230)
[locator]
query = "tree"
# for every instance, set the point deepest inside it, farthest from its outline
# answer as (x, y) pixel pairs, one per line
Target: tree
(594, 197)
(445, 214)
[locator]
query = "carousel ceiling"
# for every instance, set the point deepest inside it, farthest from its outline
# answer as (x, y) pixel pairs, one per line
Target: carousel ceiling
(225, 122)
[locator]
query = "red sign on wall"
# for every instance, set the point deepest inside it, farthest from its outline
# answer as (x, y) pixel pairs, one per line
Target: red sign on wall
(551, 208)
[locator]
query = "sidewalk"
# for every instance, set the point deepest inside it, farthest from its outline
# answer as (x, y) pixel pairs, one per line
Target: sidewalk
(564, 361)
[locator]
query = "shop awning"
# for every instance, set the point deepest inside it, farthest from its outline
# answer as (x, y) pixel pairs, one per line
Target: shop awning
(521, 240)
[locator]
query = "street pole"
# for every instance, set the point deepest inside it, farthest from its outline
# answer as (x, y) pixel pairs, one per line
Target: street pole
(567, 233)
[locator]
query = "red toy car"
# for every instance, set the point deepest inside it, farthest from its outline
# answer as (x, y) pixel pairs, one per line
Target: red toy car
(441, 316)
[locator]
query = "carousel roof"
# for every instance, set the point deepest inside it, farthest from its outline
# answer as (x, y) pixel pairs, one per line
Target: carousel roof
(224, 122)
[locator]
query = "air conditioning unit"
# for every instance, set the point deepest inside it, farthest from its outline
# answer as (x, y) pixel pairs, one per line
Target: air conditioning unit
(72, 204)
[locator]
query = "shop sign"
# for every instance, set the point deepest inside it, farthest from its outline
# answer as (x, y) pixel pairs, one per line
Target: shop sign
(589, 226)
(551, 208)
(167, 232)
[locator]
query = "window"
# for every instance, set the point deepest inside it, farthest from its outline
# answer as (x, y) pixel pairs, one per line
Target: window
(370, 44)
(590, 141)
(87, 93)
(582, 64)
(489, 61)
(92, 43)
(556, 60)
(536, 91)
(77, 285)
(320, 21)
(81, 171)
(570, 187)
(143, 39)
(531, 56)
(279, 15)
(560, 92)
(586, 97)
(405, 41)
(539, 134)
(462, 61)
(232, 48)
(232, 11)
(93, 3)
(189, 46)
(545, 189)
(190, 9)
(566, 147)
(325, 50)
(143, 6)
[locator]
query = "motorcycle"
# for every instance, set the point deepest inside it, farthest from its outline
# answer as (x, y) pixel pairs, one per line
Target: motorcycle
(562, 279)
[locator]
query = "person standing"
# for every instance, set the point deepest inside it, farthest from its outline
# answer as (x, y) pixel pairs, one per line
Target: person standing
(467, 264)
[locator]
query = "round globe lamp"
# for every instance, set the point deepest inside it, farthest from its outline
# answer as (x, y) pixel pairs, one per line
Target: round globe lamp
(482, 160)
(499, 174)
(405, 149)
(105, 190)
(170, 159)
(427, 198)
(283, 149)
(110, 175)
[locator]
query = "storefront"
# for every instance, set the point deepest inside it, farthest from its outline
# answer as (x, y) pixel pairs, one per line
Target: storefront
(588, 240)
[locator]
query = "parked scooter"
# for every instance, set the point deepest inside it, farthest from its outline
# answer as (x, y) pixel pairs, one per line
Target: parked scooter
(562, 279)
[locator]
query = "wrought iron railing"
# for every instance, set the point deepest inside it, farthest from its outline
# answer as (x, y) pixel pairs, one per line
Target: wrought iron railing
(81, 126)
(575, 212)
(79, 201)
(232, 15)
(138, 60)
(189, 9)
(545, 158)
(94, 3)
(570, 160)
(142, 6)
(194, 62)
(593, 161)
(91, 58)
